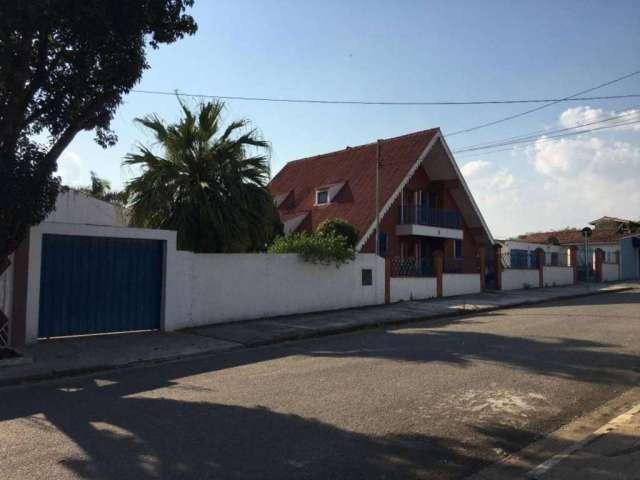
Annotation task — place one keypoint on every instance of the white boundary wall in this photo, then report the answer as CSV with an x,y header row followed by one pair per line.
x,y
216,288
516,278
412,288
610,272
557,276
460,283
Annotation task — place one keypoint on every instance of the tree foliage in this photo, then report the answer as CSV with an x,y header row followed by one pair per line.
x,y
209,182
100,188
64,67
318,248
341,228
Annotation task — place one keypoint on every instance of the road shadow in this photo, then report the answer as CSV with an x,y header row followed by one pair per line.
x,y
149,438
567,358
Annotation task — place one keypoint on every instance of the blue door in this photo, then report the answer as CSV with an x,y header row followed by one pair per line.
x,y
98,284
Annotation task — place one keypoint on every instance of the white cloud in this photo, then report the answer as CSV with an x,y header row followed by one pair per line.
x,y
559,182
474,167
585,114
72,170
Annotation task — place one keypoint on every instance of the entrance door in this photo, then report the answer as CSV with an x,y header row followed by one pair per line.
x,y
99,284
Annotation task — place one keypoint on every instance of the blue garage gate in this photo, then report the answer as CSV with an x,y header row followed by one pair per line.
x,y
99,284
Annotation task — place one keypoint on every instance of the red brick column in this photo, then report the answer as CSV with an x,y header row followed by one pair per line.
x,y
540,255
497,251
438,265
574,263
481,255
387,280
599,261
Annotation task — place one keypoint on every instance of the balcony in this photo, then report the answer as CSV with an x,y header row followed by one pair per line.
x,y
429,222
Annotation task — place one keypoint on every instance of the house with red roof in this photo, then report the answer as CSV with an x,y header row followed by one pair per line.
x,y
423,201
607,236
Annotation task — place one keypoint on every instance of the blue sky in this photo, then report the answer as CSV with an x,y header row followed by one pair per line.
x,y
414,50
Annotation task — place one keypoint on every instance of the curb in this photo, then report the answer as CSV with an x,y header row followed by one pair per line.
x,y
405,321
53,375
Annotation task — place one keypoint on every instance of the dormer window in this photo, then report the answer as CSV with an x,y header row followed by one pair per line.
x,y
322,196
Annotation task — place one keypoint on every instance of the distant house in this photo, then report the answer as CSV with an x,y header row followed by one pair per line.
x,y
608,234
424,202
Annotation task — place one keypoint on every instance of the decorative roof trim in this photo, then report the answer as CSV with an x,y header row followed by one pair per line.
x,y
397,191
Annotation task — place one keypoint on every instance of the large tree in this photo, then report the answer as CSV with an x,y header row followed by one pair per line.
x,y
64,67
208,182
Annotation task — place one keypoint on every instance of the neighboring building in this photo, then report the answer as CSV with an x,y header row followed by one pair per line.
x,y
424,202
609,234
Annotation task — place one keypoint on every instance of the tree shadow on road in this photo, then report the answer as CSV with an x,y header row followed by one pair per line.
x,y
136,437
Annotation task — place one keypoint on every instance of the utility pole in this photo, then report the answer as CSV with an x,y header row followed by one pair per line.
x,y
378,153
586,233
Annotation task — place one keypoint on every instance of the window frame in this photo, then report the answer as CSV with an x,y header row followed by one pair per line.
x,y
456,253
321,191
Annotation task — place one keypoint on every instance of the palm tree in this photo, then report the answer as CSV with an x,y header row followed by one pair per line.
x,y
209,184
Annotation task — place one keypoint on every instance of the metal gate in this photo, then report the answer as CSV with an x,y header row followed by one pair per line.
x,y
99,284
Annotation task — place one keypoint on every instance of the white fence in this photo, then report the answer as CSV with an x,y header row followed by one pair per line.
x,y
216,288
610,272
515,278
460,284
557,276
412,288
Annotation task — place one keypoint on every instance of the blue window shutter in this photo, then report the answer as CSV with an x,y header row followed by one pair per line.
x,y
382,244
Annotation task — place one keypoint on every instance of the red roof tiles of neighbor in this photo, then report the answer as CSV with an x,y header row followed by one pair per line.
x,y
574,236
355,202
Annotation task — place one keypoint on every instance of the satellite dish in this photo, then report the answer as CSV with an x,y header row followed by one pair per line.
x,y
586,232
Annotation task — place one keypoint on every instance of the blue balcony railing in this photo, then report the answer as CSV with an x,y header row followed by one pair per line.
x,y
435,217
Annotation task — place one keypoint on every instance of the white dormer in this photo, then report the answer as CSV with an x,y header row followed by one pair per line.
x,y
326,194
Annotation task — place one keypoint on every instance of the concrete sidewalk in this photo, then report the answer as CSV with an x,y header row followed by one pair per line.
x,y
70,356
295,327
603,444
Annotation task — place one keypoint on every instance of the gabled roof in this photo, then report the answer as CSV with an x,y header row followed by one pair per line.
x,y
356,168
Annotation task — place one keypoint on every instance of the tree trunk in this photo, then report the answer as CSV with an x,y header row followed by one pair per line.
x,y
5,339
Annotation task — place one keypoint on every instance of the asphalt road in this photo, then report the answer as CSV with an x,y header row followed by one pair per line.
x,y
431,400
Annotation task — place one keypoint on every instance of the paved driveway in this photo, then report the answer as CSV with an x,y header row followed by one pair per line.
x,y
433,400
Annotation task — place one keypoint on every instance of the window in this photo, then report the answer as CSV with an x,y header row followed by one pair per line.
x,y
367,277
457,248
322,196
382,244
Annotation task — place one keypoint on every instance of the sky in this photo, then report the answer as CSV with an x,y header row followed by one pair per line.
x,y
412,50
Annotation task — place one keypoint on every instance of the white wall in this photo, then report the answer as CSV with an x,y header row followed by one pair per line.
x,y
514,278
556,276
229,287
412,288
610,272
460,283
76,207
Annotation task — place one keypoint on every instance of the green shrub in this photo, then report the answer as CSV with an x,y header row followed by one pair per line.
x,y
339,228
323,249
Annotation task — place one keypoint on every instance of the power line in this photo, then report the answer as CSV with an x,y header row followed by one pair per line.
x,y
553,102
508,140
546,139
390,103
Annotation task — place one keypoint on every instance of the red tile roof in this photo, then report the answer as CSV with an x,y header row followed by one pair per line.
x,y
565,237
355,166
